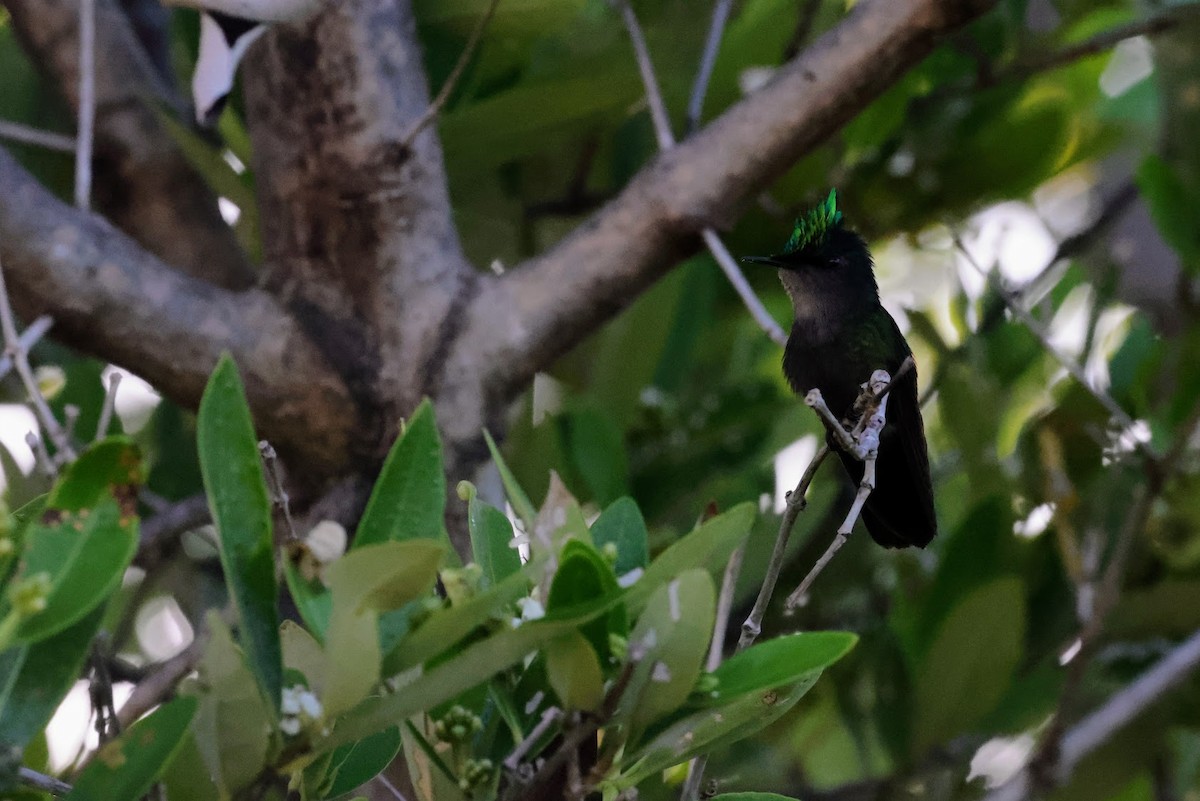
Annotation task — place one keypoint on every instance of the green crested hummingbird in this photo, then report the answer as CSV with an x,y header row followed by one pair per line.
x,y
840,336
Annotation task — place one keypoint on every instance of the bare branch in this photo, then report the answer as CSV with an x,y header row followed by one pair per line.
x,y
1095,45
666,141
29,337
16,351
1070,365
160,683
144,183
1095,730
40,781
708,60
539,310
108,293
734,273
360,242
87,104
795,505
866,449
170,522
110,403
279,495
443,95
16,132
654,98
804,26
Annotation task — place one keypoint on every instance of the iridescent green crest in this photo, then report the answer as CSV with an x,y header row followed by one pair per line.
x,y
811,229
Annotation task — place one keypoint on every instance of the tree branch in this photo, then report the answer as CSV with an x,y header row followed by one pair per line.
x,y
142,180
110,297
1100,43
523,320
1095,730
358,230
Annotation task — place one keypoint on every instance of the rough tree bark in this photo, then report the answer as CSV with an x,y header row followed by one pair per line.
x,y
366,302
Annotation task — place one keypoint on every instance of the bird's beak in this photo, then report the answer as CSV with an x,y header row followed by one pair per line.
x,y
770,261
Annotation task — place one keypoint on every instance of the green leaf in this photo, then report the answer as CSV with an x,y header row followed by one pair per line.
x,y
622,525
409,498
669,642
706,730
187,778
86,554
779,661
709,546
491,540
303,654
446,627
470,667
357,763
970,663
574,672
1172,206
582,577
124,769
516,495
84,536
233,723
364,582
241,512
312,599
752,797
35,677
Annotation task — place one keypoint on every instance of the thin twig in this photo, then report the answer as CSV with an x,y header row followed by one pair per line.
x,y
87,103
1047,759
708,59
729,581
160,683
443,95
70,419
281,499
391,788
28,135
29,337
1095,729
654,97
1105,40
15,350
796,502
168,523
866,443
804,26
40,781
512,762
40,454
1070,365
666,140
816,401
110,403
716,649
740,285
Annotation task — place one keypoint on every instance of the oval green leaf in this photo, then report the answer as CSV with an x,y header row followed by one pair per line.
x,y
124,769
779,661
409,498
241,512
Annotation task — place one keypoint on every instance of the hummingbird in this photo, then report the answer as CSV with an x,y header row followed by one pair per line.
x,y
840,336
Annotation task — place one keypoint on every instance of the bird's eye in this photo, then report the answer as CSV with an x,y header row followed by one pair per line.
x,y
838,261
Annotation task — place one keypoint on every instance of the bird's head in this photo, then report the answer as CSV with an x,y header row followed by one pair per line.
x,y
822,255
